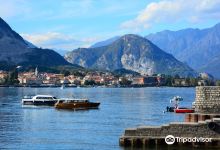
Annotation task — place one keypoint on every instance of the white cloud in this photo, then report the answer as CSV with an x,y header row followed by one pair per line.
x,y
171,11
55,40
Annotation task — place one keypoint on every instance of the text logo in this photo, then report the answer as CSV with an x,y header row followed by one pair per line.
x,y
170,139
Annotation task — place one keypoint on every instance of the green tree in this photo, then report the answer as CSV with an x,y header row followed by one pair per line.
x,y
193,81
218,83
176,76
79,74
125,81
65,72
187,80
169,80
12,77
89,82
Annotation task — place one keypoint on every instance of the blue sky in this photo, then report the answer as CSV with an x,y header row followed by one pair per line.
x,y
68,24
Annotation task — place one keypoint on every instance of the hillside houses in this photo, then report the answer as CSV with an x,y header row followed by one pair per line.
x,y
149,80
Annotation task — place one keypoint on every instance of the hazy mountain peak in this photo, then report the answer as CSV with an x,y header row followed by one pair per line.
x,y
196,47
217,25
113,39
105,42
14,50
131,36
131,52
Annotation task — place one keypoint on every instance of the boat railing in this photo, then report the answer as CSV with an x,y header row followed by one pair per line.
x,y
28,97
72,100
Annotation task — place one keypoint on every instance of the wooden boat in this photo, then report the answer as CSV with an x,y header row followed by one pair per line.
x,y
76,104
183,110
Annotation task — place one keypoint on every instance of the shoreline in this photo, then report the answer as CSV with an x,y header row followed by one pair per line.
x,y
74,86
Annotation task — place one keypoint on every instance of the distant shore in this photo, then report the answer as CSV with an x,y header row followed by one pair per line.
x,y
86,86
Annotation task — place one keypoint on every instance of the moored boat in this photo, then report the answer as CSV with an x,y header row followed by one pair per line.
x,y
175,102
38,100
184,110
175,108
76,104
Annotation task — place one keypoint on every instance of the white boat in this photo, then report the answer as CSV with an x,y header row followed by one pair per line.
x,y
39,100
175,108
62,87
175,102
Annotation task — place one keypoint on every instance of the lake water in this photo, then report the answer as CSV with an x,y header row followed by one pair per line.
x,y
48,128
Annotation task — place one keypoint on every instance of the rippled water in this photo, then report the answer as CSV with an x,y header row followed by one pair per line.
x,y
48,128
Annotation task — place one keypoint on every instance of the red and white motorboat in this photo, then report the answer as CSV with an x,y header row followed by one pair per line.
x,y
175,108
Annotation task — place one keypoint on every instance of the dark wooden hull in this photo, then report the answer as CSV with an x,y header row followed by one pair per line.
x,y
40,103
77,105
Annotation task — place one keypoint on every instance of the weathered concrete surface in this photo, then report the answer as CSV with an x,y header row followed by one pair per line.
x,y
150,135
204,123
207,99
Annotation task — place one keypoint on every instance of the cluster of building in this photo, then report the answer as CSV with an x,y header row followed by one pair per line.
x,y
204,79
35,78
156,80
96,78
99,78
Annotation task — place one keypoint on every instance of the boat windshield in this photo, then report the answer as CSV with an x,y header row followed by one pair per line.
x,y
176,101
54,97
39,97
76,101
28,97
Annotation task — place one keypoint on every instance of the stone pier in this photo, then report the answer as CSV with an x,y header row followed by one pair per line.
x,y
204,123
207,99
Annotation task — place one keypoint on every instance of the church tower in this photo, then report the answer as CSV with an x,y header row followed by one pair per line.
x,y
36,72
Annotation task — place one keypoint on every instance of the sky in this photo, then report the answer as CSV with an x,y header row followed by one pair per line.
x,y
69,24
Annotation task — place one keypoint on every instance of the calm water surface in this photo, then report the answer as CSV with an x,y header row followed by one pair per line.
x,y
48,128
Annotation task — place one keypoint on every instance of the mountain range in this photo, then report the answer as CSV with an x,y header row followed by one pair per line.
x,y
14,50
200,49
131,52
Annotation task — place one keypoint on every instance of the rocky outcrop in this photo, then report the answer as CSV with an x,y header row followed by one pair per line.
x,y
130,52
